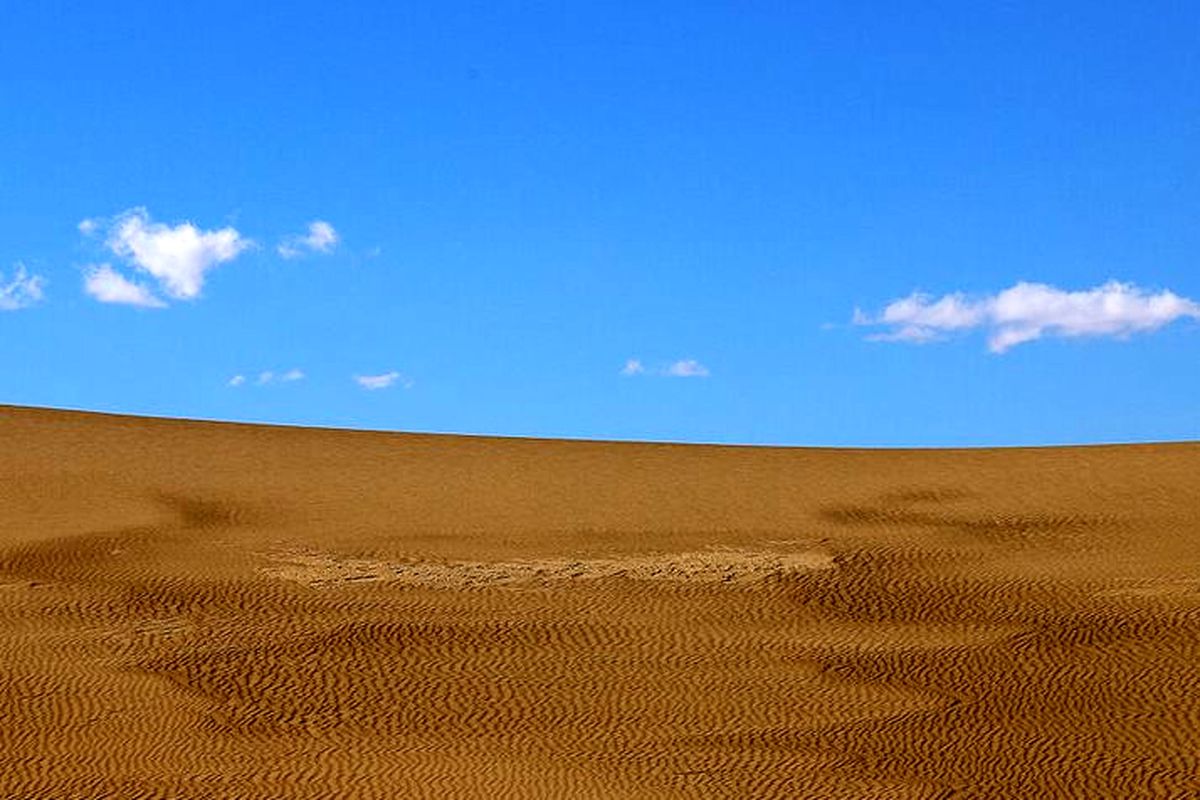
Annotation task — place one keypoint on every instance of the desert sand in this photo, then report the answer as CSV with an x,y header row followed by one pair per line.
x,y
211,610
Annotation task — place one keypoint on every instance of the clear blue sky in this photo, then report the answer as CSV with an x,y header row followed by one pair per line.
x,y
527,196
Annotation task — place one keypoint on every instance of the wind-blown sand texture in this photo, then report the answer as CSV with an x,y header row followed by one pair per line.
x,y
203,610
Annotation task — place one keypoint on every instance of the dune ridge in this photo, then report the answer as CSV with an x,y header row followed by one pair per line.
x,y
209,610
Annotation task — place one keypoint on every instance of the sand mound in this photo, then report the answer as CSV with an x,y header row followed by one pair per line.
x,y
209,611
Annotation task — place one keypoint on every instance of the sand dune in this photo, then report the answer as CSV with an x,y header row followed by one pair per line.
x,y
204,610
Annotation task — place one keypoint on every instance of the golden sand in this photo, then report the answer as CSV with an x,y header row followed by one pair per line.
x,y
204,610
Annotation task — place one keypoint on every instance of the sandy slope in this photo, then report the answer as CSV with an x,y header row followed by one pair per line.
x,y
206,610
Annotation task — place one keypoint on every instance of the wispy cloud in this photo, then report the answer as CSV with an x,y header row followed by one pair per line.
x,y
1028,311
683,368
22,290
178,257
107,285
382,381
321,238
267,377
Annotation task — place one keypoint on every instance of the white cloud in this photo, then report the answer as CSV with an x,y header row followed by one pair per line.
x,y
22,291
687,368
321,238
1029,311
632,367
383,381
107,285
269,376
683,368
178,257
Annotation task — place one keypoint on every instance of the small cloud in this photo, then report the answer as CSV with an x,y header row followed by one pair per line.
x,y
382,381
321,238
683,368
89,226
107,285
269,376
686,368
1028,311
22,291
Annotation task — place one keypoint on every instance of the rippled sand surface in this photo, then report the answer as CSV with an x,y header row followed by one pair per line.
x,y
201,610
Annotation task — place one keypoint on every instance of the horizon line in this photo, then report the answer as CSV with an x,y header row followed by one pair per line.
x,y
4,406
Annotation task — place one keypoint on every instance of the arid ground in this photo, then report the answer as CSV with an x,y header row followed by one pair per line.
x,y
205,610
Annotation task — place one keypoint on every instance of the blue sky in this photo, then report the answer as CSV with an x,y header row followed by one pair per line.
x,y
609,220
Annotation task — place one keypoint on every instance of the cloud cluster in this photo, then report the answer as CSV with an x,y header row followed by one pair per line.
x,y
369,382
683,368
382,381
22,291
1028,311
321,238
177,257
